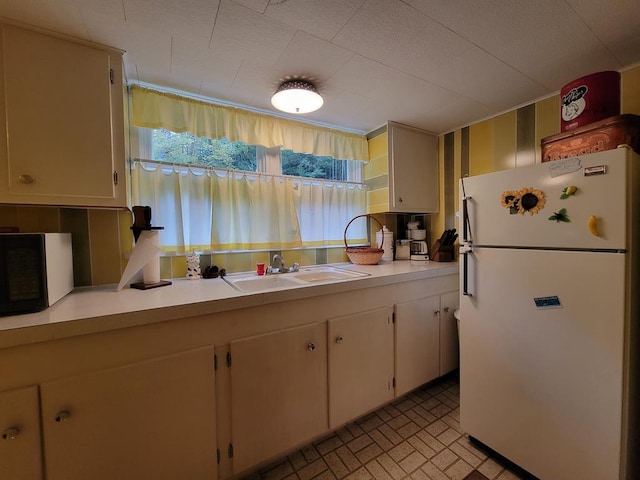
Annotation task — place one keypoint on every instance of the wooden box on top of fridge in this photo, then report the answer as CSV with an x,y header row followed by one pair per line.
x,y
603,135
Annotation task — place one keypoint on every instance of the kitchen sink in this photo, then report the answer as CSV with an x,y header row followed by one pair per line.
x,y
326,274
252,283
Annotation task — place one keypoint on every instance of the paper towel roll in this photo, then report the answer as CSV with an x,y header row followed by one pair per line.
x,y
146,251
151,270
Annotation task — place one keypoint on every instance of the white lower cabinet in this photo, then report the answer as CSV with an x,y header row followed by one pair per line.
x,y
449,345
278,392
360,363
153,419
281,389
93,408
20,439
417,343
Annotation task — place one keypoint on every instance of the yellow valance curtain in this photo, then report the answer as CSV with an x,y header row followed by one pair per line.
x,y
155,109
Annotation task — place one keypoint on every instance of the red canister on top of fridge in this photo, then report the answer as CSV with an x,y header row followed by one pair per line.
x,y
589,99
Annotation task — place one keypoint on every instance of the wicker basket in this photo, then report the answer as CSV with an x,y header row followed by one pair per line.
x,y
363,255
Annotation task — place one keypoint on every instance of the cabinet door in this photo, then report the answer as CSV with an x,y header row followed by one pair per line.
x,y
64,122
413,170
360,364
278,392
20,454
154,419
449,350
417,343
223,412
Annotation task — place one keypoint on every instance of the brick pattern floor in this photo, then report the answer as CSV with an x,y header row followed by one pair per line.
x,y
417,437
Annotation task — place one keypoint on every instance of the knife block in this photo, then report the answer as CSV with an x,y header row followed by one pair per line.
x,y
442,253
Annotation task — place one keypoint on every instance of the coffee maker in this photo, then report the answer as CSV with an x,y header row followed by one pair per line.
x,y
418,250
417,241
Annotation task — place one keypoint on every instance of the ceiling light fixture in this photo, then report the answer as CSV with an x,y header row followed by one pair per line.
x,y
297,96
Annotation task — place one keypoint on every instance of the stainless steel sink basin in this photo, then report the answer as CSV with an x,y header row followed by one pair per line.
x,y
252,283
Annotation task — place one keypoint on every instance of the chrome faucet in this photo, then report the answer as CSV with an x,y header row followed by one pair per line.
x,y
277,262
278,266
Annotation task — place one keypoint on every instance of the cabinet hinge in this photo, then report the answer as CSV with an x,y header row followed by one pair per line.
x,y
111,78
229,359
218,455
215,362
230,450
115,177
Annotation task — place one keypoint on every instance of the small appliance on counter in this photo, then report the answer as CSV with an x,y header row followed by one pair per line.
x,y
418,251
403,249
414,247
36,271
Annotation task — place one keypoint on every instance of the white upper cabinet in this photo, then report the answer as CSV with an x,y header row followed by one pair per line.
x,y
62,121
413,170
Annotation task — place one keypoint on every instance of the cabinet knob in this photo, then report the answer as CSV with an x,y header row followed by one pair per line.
x,y
26,179
63,416
10,433
339,339
446,309
311,346
437,312
400,199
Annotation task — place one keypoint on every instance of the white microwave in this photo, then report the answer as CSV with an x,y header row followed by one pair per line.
x,y
36,270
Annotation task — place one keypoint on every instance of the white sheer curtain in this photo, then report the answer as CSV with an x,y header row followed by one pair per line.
x,y
209,210
324,209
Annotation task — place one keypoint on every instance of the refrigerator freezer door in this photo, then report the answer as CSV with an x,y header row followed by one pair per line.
x,y
603,195
541,359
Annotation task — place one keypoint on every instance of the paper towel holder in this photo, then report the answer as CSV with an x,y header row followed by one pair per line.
x,y
142,222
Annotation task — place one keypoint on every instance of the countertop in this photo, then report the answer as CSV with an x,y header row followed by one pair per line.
x,y
89,310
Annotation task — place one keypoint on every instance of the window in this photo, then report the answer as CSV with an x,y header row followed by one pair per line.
x,y
217,195
185,148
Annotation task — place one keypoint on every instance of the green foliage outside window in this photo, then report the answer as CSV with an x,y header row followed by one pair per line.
x,y
308,165
185,148
188,149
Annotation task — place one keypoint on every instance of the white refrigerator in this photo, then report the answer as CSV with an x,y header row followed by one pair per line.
x,y
549,315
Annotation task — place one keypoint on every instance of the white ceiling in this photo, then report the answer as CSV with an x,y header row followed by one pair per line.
x,y
434,64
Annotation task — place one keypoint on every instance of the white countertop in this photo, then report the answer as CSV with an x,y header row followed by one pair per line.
x,y
97,309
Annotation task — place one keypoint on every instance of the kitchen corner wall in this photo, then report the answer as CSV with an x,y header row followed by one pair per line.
x,y
509,140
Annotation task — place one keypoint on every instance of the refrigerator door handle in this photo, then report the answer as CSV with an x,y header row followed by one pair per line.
x,y
465,220
465,247
465,250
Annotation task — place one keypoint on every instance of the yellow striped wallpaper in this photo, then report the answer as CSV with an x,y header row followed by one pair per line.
x,y
491,144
